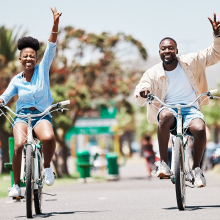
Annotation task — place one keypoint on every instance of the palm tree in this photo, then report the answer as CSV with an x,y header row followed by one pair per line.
x,y
8,44
8,48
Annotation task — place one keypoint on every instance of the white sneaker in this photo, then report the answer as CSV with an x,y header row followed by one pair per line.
x,y
200,180
15,191
48,176
163,170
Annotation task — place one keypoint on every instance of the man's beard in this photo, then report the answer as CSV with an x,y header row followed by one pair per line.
x,y
167,62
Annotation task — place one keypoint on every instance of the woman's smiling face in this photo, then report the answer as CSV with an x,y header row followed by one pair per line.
x,y
28,58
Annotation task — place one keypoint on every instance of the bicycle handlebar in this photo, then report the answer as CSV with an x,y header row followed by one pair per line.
x,y
151,97
67,102
213,91
59,104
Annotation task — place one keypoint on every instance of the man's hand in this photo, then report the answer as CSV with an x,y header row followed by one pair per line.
x,y
144,92
215,25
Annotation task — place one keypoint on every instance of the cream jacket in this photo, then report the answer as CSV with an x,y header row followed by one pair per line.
x,y
193,64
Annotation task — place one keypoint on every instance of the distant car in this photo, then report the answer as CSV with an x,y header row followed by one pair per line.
x,y
215,158
212,156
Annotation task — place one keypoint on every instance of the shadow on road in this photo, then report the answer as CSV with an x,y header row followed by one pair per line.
x,y
193,208
47,215
135,178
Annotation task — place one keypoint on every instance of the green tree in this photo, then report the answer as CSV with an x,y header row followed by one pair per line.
x,y
8,68
212,115
143,127
87,69
94,74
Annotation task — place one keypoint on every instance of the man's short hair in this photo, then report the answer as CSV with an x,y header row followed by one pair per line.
x,y
169,38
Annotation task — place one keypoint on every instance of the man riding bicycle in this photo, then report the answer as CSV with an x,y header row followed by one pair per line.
x,y
179,80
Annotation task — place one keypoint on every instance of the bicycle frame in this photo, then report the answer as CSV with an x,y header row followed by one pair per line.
x,y
184,148
35,155
186,166
30,141
180,168
32,162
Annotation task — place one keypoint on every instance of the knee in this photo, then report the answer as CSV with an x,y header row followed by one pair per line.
x,y
18,148
199,131
165,117
48,138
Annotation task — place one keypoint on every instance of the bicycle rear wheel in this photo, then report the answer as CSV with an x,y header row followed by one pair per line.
x,y
179,174
38,192
29,184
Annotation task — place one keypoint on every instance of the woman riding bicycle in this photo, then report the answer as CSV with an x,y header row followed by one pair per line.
x,y
33,89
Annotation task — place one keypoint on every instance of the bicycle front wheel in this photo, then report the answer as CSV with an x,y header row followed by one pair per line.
x,y
179,174
29,184
38,192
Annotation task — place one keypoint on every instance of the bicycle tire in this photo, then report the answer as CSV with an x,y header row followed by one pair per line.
x,y
179,174
38,201
29,184
38,193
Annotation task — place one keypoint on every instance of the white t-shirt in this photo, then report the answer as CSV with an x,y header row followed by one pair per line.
x,y
179,90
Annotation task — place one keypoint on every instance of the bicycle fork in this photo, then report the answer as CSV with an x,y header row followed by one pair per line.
x,y
184,148
35,168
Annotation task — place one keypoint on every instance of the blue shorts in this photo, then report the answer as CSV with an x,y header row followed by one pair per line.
x,y
34,121
188,115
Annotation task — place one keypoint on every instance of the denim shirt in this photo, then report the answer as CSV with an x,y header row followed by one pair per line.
x,y
35,93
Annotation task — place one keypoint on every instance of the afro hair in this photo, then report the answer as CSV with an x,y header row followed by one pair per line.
x,y
31,42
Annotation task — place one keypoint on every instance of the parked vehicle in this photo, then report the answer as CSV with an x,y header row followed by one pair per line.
x,y
215,158
212,156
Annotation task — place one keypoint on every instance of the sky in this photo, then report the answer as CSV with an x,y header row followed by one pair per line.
x,y
148,21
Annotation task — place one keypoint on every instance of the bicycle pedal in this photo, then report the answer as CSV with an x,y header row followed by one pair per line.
x,y
19,197
165,177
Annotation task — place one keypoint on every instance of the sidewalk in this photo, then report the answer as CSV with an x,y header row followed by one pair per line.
x,y
134,168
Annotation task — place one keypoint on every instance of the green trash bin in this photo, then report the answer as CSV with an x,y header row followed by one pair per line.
x,y
113,171
83,163
9,165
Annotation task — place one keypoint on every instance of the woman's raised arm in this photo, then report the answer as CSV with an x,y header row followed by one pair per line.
x,y
54,32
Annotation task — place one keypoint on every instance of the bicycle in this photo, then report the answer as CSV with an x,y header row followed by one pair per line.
x,y
180,167
32,162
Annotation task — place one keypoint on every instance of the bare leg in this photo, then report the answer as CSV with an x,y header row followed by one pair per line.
x,y
45,134
198,130
167,121
19,141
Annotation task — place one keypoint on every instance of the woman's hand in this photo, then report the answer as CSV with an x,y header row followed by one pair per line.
x,y
56,15
215,25
1,101
54,32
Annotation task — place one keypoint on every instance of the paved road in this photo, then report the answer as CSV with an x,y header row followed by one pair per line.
x,y
134,197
